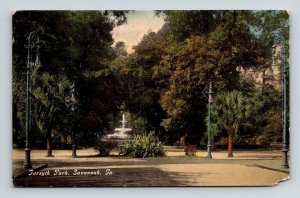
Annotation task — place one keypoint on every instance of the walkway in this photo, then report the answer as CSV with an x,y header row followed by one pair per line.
x,y
175,170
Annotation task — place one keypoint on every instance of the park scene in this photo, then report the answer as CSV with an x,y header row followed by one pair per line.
x,y
150,98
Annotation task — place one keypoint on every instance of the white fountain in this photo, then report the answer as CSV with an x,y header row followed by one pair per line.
x,y
120,133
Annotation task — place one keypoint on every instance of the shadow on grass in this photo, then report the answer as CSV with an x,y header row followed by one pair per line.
x,y
120,177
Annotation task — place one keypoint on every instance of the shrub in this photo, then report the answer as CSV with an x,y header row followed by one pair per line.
x,y
105,147
245,142
190,150
143,146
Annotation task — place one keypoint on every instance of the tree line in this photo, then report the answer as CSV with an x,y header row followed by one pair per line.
x,y
162,85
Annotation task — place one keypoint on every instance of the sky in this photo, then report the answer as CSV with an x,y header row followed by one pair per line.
x,y
138,24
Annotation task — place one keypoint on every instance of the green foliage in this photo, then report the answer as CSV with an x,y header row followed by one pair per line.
x,y
138,89
246,142
182,24
137,123
49,107
207,52
162,84
267,114
67,56
142,146
270,24
230,109
263,124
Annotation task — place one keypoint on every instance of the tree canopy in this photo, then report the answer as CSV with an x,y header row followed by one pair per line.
x,y
77,48
162,84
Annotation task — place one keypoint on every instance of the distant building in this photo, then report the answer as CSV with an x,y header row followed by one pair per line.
x,y
270,74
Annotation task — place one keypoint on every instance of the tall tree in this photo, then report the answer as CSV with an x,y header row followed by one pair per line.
x,y
212,54
67,56
229,110
139,91
50,108
184,24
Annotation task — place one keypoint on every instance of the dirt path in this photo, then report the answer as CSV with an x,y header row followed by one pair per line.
x,y
168,171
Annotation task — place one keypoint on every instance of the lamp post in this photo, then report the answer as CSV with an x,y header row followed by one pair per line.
x,y
73,101
284,140
33,43
284,100
210,92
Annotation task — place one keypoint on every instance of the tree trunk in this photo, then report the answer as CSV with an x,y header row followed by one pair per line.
x,y
230,142
74,147
49,145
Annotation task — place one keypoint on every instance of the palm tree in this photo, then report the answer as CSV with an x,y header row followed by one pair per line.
x,y
48,95
229,110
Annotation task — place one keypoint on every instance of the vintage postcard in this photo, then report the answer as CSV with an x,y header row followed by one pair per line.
x,y
150,98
